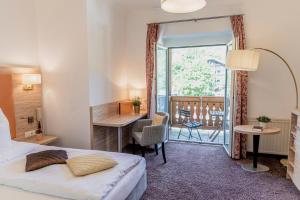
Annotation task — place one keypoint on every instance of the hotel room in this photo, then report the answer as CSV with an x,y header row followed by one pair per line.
x,y
149,99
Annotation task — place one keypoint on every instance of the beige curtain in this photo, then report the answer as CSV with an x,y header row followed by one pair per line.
x,y
241,93
152,38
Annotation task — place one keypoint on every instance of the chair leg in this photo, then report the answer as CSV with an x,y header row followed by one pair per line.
x,y
156,149
191,133
133,143
199,135
163,151
143,151
179,133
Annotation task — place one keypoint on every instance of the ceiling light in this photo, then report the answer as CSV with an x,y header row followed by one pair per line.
x,y
182,6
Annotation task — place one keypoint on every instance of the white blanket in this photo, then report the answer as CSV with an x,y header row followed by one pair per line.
x,y
57,180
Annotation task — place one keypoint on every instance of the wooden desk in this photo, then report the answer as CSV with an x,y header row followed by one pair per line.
x,y
46,139
119,121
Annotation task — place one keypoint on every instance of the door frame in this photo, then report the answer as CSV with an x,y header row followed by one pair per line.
x,y
168,87
167,82
229,149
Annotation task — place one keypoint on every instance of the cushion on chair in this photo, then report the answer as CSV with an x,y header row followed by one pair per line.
x,y
85,165
42,159
157,120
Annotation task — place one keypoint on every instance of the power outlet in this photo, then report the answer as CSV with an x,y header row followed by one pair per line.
x,y
30,133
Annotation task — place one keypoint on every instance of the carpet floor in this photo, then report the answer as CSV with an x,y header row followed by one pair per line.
x,y
205,172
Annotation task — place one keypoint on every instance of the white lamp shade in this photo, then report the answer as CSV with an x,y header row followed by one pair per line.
x,y
243,60
182,6
31,79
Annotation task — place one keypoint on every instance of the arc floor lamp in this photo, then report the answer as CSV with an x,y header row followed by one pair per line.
x,y
248,60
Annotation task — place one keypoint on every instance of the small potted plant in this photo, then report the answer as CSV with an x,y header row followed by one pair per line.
x,y
136,102
263,121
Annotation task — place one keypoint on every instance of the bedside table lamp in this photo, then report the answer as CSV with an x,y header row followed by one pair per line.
x,y
248,60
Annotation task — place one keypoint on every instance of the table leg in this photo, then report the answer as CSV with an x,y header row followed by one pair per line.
x,y
255,149
254,166
119,139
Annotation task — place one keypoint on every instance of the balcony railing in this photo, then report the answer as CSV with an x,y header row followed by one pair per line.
x,y
202,110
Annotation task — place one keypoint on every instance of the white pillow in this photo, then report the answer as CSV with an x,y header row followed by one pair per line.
x,y
5,138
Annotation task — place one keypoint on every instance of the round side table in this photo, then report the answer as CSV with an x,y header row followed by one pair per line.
x,y
248,129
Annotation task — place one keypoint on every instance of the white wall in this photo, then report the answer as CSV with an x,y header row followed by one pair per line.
x,y
267,25
273,26
18,41
106,42
63,56
81,50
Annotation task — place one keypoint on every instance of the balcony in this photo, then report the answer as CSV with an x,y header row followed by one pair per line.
x,y
206,110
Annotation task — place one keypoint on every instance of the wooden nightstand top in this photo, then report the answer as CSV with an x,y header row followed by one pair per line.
x,y
46,139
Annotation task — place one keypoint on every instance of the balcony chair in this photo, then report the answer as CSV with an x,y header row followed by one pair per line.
x,y
186,122
148,132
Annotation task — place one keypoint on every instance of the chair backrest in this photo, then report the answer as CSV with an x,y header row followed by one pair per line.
x,y
165,124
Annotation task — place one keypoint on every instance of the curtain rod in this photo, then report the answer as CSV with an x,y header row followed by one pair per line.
x,y
196,19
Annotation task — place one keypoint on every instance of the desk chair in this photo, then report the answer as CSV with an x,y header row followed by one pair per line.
x,y
146,134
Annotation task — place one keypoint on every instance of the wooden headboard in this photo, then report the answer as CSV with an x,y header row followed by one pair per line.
x,y
16,103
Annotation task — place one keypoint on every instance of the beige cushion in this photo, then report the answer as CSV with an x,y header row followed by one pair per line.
x,y
85,165
157,120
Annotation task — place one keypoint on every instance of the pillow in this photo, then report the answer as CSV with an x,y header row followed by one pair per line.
x,y
85,165
157,120
5,138
42,159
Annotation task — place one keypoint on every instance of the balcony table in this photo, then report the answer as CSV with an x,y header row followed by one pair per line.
x,y
215,134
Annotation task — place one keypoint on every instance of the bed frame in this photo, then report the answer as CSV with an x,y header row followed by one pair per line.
x,y
139,189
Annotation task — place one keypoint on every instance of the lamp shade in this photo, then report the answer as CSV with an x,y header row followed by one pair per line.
x,y
243,60
31,79
182,6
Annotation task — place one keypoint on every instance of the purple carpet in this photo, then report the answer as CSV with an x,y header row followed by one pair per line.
x,y
206,172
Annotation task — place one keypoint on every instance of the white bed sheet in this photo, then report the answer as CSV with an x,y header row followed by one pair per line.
x,y
119,192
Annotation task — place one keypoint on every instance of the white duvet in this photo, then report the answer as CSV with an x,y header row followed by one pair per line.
x,y
57,180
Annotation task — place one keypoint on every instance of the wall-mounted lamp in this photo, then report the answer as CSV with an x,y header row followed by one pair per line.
x,y
28,80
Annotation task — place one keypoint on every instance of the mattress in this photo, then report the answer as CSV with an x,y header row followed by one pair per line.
x,y
120,191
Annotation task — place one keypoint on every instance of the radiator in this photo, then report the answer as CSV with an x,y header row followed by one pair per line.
x,y
273,144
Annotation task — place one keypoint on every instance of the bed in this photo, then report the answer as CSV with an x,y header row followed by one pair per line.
x,y
127,180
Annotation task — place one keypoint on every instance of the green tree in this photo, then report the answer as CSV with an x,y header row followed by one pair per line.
x,y
191,74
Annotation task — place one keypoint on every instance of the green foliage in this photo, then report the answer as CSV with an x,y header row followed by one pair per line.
x,y
191,74
136,102
264,119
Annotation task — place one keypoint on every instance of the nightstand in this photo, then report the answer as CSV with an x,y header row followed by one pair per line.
x,y
46,139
